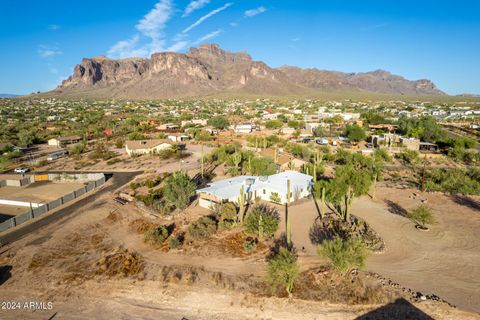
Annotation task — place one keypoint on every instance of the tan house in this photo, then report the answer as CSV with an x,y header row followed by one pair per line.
x,y
138,147
61,142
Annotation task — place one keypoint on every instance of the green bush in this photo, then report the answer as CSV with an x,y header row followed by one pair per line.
x,y
156,235
344,255
275,197
174,243
282,270
203,228
227,213
262,221
410,157
421,215
453,180
250,244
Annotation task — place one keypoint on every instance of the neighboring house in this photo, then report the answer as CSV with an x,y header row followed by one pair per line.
x,y
168,127
64,141
268,188
244,128
211,130
287,130
410,143
178,138
138,147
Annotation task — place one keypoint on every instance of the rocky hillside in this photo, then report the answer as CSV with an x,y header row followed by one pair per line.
x,y
209,70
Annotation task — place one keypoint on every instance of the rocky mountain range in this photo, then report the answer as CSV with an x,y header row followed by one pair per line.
x,y
210,70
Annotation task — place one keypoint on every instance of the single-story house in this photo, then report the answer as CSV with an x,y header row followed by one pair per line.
x,y
178,137
138,147
268,188
64,141
244,128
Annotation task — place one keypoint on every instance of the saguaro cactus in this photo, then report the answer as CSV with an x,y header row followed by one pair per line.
x,y
241,203
322,208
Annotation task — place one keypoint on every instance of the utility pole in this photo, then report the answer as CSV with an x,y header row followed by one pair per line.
x,y
287,216
423,173
202,162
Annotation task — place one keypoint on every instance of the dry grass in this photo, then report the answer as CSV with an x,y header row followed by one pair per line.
x,y
327,285
121,263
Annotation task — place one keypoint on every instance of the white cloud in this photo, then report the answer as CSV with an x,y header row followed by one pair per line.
x,y
128,48
254,12
233,24
295,39
151,26
179,45
48,51
205,17
209,36
193,6
54,27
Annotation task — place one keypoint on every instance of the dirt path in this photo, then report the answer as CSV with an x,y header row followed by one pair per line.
x,y
444,261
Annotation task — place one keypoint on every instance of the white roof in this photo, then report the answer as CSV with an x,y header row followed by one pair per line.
x,y
229,188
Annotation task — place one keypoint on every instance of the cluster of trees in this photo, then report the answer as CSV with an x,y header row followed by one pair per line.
x,y
175,193
463,181
239,161
423,128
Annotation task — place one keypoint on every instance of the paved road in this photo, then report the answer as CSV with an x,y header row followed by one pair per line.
x,y
118,180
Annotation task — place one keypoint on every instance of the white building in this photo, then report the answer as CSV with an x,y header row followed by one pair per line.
x,y
269,188
244,128
138,147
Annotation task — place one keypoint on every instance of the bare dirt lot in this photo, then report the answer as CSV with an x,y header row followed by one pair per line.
x,y
444,260
39,192
93,265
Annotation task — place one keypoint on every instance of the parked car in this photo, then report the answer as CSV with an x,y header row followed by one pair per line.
x,y
21,170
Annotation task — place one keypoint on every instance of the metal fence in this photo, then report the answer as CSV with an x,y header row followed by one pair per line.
x,y
35,212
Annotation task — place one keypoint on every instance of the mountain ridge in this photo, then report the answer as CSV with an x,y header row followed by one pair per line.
x,y
209,70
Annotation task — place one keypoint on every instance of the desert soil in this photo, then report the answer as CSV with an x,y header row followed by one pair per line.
x,y
60,263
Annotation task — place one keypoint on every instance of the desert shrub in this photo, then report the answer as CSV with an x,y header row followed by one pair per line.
x,y
410,157
421,215
156,235
344,254
275,197
119,143
250,244
262,221
174,243
282,270
227,213
453,180
203,228
113,161
382,154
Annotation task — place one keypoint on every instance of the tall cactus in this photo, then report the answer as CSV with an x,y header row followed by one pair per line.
x,y
241,202
260,226
287,216
322,208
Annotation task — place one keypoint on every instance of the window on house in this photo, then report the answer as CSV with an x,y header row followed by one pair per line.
x,y
264,192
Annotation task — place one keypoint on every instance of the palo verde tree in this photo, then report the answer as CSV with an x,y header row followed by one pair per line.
x,y
178,190
354,176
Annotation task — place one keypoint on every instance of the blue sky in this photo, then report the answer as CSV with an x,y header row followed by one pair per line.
x,y
41,41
